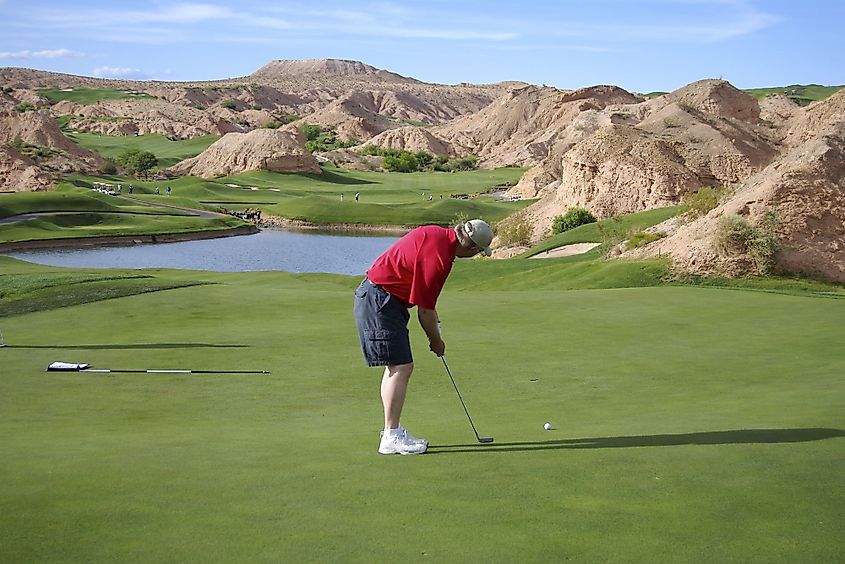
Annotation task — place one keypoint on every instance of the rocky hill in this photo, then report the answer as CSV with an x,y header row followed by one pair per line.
x,y
262,149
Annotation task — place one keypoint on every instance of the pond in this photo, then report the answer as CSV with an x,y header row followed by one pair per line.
x,y
270,249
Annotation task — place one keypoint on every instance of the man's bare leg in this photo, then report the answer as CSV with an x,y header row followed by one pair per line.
x,y
394,385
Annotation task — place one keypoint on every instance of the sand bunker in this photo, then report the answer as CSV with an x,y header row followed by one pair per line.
x,y
567,250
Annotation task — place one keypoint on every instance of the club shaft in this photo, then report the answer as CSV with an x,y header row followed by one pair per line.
x,y
452,378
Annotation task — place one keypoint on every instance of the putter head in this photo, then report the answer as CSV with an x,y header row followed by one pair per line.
x,y
485,439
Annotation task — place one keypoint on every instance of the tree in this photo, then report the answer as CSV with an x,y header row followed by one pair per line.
x,y
136,161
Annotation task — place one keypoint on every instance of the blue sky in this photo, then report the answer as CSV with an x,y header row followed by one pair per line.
x,y
640,45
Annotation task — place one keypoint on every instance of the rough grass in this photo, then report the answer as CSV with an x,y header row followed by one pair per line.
x,y
681,415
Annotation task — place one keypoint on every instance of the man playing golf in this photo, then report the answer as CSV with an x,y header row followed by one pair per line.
x,y
410,273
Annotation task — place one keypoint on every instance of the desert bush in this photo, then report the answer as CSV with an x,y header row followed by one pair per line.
x,y
514,231
108,167
736,237
230,104
686,106
459,219
641,238
613,232
697,203
18,144
272,124
25,107
572,219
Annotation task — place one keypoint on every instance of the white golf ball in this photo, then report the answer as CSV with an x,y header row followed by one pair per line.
x,y
547,426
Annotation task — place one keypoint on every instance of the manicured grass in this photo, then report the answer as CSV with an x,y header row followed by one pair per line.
x,y
168,151
690,424
89,95
803,94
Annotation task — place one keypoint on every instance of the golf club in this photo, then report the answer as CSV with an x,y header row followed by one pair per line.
x,y
75,367
474,430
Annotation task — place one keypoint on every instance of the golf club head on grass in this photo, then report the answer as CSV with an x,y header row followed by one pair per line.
x,y
485,439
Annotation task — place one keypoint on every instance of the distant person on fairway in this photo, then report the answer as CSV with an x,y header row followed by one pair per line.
x,y
410,273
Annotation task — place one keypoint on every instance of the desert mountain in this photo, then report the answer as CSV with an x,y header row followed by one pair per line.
x,y
801,195
323,69
635,157
276,150
355,100
34,150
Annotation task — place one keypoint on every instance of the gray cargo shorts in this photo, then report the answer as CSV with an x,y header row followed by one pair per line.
x,y
382,326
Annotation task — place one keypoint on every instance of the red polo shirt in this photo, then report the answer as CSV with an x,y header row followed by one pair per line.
x,y
415,268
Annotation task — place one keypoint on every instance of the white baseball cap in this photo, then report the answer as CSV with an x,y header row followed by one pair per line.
x,y
480,233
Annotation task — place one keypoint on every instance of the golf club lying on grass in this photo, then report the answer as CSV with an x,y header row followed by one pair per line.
x,y
76,367
480,439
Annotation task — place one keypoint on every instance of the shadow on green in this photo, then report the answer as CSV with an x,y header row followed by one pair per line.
x,y
738,436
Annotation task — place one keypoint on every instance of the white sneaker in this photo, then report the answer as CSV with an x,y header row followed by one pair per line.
x,y
401,443
411,438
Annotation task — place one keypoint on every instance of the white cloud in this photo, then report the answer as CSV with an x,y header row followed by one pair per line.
x,y
42,54
15,54
56,53
119,72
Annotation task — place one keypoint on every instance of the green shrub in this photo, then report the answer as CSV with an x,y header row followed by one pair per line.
x,y
404,162
572,219
25,107
136,161
272,124
230,104
736,237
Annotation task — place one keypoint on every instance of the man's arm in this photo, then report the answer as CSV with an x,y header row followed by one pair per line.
x,y
428,321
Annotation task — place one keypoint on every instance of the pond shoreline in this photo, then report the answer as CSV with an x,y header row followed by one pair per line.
x,y
273,222
125,240
301,225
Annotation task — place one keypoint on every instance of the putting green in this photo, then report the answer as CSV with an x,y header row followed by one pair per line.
x,y
690,425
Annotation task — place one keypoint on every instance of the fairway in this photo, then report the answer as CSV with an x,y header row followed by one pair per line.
x,y
690,425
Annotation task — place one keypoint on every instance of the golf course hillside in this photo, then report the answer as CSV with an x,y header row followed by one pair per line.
x,y
678,414
598,147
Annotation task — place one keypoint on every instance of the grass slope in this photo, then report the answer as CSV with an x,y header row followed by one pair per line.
x,y
690,424
90,95
386,199
168,151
